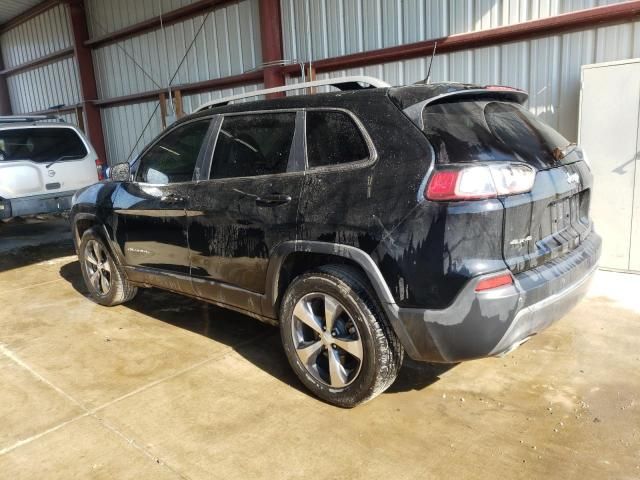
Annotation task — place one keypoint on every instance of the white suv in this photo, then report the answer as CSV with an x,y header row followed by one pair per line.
x,y
42,164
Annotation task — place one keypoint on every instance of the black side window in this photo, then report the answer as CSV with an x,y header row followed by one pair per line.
x,y
253,144
41,144
332,139
173,158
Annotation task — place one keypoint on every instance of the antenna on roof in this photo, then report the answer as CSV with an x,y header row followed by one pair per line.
x,y
433,54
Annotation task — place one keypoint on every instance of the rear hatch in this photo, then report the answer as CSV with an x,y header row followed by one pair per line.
x,y
43,159
550,220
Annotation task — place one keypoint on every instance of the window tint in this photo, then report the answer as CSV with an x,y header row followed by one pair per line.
x,y
516,126
468,131
41,144
255,144
174,157
333,138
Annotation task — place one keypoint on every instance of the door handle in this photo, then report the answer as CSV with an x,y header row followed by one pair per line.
x,y
172,198
272,200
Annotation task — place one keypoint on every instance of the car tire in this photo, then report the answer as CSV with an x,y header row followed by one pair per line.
x,y
331,363
103,276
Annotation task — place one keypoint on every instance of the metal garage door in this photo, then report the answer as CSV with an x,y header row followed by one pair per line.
x,y
609,122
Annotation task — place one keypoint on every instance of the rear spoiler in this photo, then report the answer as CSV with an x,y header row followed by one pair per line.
x,y
496,92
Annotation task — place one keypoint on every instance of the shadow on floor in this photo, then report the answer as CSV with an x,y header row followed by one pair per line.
x,y
24,242
255,341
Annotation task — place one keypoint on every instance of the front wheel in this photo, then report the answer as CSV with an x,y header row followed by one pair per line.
x,y
336,338
103,277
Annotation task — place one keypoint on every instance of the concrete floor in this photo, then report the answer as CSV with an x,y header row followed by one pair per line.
x,y
167,387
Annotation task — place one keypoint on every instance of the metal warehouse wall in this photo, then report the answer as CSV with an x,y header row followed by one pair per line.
x,y
548,68
228,44
42,87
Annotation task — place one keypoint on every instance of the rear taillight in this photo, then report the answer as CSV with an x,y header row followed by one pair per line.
x,y
100,169
475,182
494,282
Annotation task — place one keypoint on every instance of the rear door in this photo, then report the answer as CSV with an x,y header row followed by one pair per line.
x,y
151,215
553,218
248,205
42,159
336,205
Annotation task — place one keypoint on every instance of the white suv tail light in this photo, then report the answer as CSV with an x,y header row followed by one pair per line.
x,y
479,181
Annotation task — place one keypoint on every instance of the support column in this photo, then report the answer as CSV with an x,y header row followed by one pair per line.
x,y
5,102
88,87
271,40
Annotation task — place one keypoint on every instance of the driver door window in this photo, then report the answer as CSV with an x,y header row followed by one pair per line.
x,y
174,157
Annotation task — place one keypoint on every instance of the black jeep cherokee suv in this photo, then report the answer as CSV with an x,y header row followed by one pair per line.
x,y
443,220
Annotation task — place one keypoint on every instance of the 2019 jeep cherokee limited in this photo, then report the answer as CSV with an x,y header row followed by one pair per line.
x,y
443,220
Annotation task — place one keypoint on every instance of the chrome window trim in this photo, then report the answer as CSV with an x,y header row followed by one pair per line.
x,y
248,177
373,153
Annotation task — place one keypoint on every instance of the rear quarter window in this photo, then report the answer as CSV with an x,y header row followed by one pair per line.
x,y
333,139
41,144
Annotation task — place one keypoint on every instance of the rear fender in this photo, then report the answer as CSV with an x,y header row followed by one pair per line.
x,y
353,254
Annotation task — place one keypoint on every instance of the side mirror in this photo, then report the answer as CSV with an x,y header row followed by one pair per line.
x,y
121,172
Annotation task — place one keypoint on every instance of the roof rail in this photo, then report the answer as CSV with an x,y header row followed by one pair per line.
x,y
27,118
342,83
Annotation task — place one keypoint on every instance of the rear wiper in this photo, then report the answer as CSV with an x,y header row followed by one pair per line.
x,y
560,153
65,157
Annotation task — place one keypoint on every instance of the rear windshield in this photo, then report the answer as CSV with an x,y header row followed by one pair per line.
x,y
41,144
486,131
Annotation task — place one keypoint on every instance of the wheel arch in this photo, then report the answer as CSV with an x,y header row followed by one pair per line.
x,y
85,221
81,223
290,259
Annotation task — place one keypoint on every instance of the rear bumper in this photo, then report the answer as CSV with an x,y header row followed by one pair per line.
x,y
481,324
34,205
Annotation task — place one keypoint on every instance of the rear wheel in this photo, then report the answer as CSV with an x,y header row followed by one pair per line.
x,y
336,338
103,277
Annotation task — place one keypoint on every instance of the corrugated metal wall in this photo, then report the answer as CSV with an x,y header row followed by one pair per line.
x,y
42,87
40,36
124,126
315,29
549,68
228,44
124,143
106,16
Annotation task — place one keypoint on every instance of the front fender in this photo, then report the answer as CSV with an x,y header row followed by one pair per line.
x,y
94,205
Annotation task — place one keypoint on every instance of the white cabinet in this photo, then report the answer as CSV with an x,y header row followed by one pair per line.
x,y
609,130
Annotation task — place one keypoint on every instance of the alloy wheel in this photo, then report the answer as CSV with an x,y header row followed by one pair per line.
x,y
98,268
327,340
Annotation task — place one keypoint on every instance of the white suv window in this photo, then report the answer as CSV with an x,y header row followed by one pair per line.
x,y
41,144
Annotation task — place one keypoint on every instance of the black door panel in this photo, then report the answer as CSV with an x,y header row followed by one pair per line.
x,y
155,229
249,205
151,212
231,233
